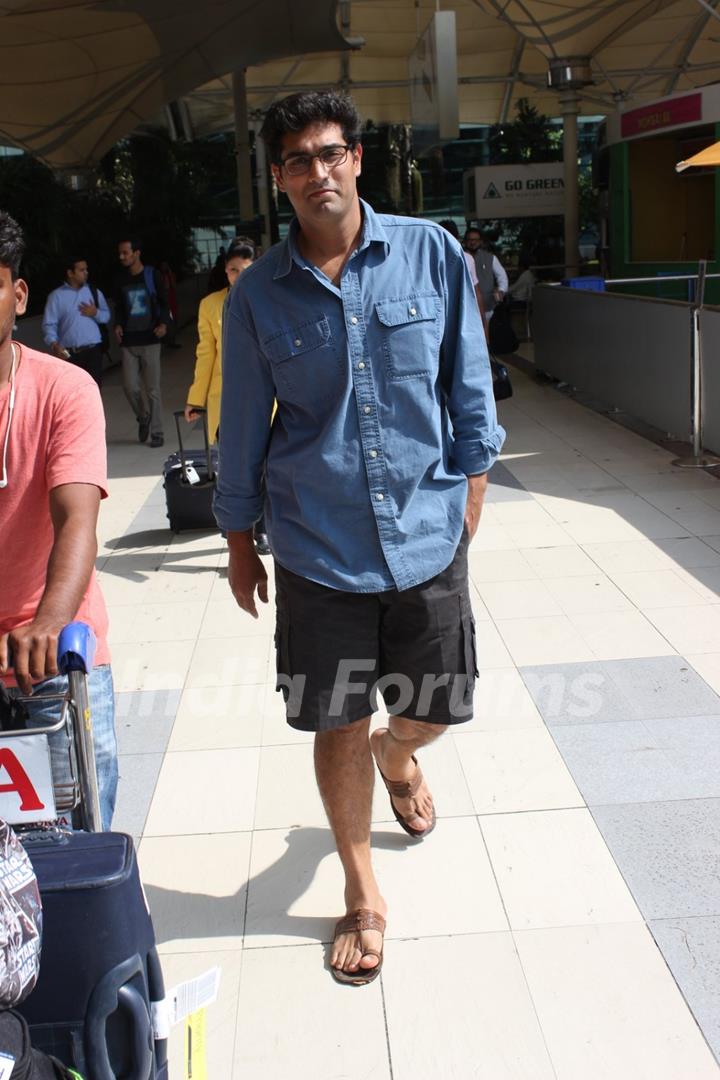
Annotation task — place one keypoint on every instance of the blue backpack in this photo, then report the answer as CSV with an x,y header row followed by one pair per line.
x,y
149,275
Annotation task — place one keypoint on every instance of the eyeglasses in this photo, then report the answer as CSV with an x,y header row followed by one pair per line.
x,y
330,156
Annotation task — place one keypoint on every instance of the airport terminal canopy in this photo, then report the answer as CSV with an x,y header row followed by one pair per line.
x,y
77,76
631,52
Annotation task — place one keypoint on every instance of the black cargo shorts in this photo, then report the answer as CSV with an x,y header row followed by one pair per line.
x,y
337,652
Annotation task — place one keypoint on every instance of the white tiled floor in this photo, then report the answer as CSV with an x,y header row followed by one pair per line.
x,y
514,947
608,1007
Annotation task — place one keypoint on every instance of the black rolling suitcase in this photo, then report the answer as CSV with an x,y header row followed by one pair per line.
x,y
99,999
189,481
100,983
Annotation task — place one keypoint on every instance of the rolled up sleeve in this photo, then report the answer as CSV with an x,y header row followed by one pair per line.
x,y
466,375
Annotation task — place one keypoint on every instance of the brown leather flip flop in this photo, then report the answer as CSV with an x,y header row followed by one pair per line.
x,y
355,922
407,789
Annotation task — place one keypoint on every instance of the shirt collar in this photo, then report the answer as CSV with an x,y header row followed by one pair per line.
x,y
372,232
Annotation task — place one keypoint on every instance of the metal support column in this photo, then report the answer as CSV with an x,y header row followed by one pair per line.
x,y
261,175
697,460
242,147
569,109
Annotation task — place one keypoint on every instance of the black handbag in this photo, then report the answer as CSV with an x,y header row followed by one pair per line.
x,y
29,1064
502,387
503,339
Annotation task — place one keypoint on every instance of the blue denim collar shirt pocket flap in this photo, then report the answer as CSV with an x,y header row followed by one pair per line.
x,y
408,309
411,330
300,339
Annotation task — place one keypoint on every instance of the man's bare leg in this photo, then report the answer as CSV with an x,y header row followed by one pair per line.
x,y
393,748
345,777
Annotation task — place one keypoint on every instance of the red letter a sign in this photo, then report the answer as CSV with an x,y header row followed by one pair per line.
x,y
20,781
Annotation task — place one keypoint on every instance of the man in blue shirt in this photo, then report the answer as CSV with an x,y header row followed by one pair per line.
x,y
72,319
366,331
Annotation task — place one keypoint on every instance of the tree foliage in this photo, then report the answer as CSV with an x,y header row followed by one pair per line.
x,y
157,185
146,185
531,137
57,222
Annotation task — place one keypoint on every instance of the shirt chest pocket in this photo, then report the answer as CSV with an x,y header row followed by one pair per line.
x,y
306,363
411,329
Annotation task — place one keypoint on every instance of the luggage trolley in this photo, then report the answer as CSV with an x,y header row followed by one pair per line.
x,y
99,1000
77,794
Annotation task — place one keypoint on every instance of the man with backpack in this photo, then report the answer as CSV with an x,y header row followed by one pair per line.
x,y
74,318
142,317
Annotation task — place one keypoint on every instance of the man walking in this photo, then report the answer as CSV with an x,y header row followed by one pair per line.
x,y
141,321
492,279
73,315
52,478
366,330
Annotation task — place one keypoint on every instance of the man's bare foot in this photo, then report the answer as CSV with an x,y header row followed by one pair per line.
x,y
349,950
395,765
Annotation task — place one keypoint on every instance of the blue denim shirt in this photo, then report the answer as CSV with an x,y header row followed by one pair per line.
x,y
384,406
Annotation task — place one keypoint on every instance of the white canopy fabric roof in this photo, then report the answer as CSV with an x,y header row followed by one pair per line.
x,y
639,50
76,76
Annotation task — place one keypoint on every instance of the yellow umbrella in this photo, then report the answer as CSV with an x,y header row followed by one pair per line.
x,y
709,156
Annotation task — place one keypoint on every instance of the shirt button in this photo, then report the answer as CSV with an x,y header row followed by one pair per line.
x,y
354,320
413,311
298,341
379,496
373,453
367,409
361,365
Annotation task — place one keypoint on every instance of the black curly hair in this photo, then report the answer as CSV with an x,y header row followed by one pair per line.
x,y
12,244
298,111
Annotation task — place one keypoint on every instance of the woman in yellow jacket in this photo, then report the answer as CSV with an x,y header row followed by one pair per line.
x,y
207,381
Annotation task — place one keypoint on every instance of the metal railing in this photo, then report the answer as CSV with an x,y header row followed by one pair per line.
x,y
659,280
696,460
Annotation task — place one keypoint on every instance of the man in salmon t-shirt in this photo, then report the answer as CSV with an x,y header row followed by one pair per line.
x,y
52,478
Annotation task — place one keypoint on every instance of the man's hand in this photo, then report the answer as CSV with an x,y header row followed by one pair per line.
x,y
119,334
34,653
246,572
88,309
477,486
160,330
74,511
192,412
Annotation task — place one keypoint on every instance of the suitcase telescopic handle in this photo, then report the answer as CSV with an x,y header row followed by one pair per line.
x,y
141,1042
117,993
203,412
